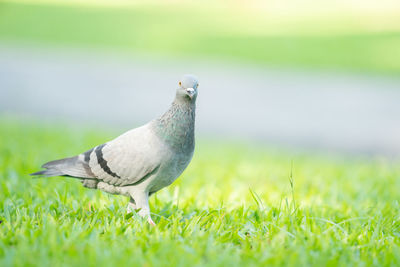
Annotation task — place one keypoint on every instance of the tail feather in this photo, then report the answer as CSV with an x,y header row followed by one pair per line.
x,y
60,162
47,173
73,167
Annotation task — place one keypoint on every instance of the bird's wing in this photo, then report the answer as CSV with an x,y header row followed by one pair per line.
x,y
127,160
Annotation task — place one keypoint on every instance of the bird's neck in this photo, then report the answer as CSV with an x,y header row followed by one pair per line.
x,y
176,126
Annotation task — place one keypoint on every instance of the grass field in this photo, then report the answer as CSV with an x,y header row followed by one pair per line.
x,y
234,206
237,204
335,40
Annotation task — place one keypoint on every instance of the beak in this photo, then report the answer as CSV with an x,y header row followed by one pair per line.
x,y
190,92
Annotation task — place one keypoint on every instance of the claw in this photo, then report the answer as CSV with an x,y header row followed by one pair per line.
x,y
128,210
150,221
131,208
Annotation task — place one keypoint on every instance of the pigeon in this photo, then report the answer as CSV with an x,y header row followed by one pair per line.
x,y
141,161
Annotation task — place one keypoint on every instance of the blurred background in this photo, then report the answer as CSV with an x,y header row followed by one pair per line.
x,y
295,74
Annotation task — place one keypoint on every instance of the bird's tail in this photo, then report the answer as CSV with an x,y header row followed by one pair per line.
x,y
47,173
59,167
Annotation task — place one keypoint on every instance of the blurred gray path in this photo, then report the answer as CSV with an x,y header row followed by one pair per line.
x,y
313,110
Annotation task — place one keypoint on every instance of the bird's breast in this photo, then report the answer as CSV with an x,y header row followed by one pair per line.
x,y
169,171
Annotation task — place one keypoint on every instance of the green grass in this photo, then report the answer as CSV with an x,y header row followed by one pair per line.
x,y
359,43
233,206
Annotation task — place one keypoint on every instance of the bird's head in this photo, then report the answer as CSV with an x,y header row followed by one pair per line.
x,y
187,89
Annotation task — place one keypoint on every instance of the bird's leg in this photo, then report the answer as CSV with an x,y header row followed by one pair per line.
x,y
131,206
142,203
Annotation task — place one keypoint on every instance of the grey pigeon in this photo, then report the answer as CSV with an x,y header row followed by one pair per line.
x,y
141,161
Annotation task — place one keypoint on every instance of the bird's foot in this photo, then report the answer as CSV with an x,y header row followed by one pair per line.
x,y
130,208
150,221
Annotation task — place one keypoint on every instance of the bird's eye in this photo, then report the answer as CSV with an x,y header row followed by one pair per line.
x,y
198,85
180,84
